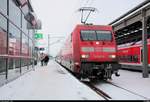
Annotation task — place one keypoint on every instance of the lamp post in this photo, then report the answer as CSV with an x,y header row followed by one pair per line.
x,y
144,45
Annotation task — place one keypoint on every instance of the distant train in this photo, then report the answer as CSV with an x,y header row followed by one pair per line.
x,y
90,52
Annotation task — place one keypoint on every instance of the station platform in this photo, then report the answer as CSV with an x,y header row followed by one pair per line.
x,y
50,82
133,81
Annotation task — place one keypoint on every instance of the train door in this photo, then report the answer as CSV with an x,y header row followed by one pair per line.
x,y
141,55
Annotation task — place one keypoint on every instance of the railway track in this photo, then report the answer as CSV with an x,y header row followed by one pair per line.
x,y
121,92
98,91
107,95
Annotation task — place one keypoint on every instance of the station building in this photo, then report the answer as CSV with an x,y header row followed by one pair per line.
x,y
18,24
132,32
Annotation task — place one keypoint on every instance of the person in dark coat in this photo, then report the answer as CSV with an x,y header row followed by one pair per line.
x,y
46,59
42,59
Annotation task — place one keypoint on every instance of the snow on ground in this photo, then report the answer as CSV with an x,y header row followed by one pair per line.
x,y
116,93
133,81
47,83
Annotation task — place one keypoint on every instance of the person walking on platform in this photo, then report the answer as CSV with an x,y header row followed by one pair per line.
x,y
46,60
42,59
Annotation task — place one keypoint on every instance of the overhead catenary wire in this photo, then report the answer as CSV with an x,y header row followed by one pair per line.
x,y
86,10
86,4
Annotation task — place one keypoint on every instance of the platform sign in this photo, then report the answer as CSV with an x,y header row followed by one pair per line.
x,y
38,36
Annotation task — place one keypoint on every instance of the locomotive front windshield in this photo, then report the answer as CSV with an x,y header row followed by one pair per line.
x,y
91,35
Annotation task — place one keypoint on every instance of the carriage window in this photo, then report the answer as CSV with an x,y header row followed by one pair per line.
x,y
130,58
135,58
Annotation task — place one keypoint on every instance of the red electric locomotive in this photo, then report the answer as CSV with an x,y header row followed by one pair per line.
x,y
90,52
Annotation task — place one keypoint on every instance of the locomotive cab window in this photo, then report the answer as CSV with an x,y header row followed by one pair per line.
x,y
104,35
88,35
91,35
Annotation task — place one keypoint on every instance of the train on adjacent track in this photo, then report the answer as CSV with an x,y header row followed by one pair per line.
x,y
90,52
130,46
130,55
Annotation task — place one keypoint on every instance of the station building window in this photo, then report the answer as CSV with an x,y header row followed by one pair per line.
x,y
14,63
30,47
3,6
3,42
31,52
25,45
14,51
11,63
24,65
3,39
14,40
25,11
17,63
13,68
24,62
14,13
3,22
25,53
24,26
3,35
2,64
2,69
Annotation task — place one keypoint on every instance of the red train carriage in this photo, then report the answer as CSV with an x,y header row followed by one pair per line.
x,y
129,41
90,52
130,55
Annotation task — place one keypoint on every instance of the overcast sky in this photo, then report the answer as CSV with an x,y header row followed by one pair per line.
x,y
59,17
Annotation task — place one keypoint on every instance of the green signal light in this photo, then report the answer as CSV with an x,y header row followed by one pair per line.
x,y
38,36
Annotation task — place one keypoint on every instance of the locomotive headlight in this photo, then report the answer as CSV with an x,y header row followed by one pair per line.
x,y
76,63
97,43
84,56
112,56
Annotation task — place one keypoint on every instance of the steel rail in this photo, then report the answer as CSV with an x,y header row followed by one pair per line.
x,y
98,91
